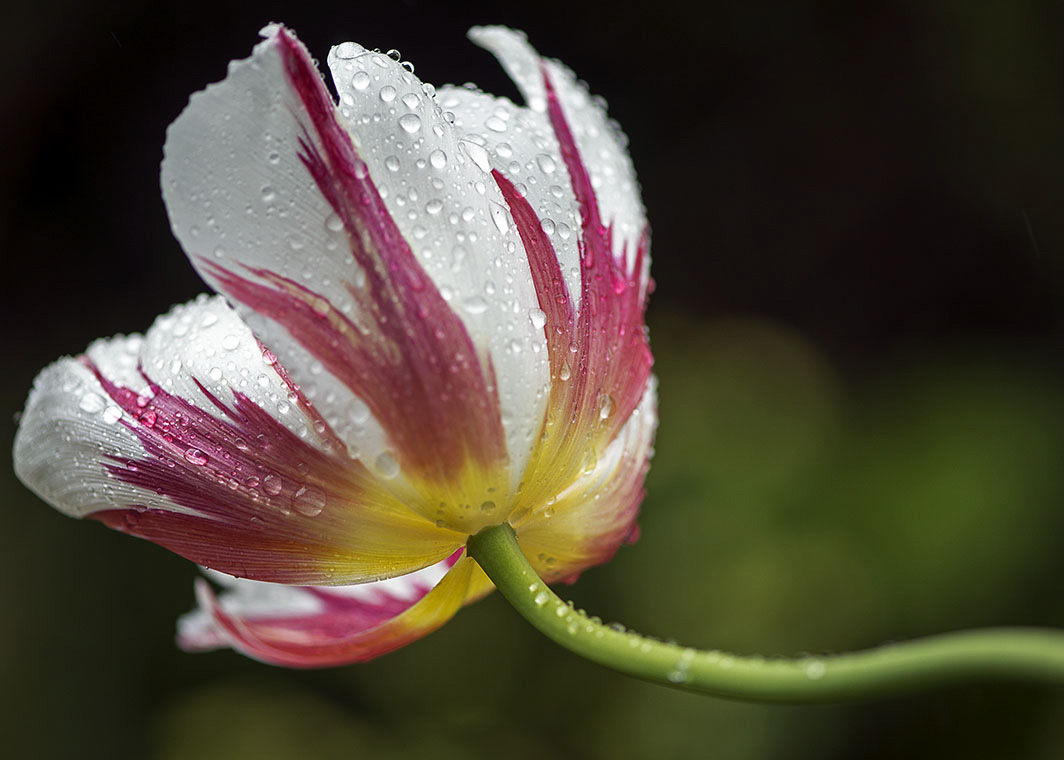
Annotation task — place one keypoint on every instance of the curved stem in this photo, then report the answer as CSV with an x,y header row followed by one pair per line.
x,y
1014,653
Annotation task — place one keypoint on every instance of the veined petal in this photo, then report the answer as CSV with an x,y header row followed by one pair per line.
x,y
306,627
601,142
403,292
194,438
592,518
522,146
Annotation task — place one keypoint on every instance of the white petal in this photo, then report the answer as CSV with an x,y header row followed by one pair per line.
x,y
71,428
436,184
239,195
523,147
603,147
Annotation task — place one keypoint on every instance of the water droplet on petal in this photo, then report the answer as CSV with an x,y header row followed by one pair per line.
x,y
438,159
478,154
272,484
475,305
605,406
410,122
91,403
387,93
348,50
196,457
387,465
309,500
360,80
538,318
333,223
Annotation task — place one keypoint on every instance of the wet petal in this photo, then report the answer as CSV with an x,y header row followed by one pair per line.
x,y
194,439
594,516
352,253
300,626
601,142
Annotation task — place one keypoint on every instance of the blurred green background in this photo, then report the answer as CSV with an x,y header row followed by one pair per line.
x,y
858,238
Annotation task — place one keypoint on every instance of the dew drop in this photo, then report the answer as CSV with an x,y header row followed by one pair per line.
x,y
605,406
309,500
196,457
333,223
91,403
475,305
230,342
410,122
478,154
487,506
391,163
438,159
541,598
360,80
495,124
538,318
387,93
272,485
498,215
546,163
387,465
815,669
348,50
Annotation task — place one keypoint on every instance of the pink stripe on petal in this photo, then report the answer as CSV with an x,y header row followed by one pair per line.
x,y
341,631
255,500
405,353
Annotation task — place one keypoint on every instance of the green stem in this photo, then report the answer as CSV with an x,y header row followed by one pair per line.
x,y
1014,653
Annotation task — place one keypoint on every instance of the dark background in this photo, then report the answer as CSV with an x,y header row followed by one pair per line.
x,y
858,236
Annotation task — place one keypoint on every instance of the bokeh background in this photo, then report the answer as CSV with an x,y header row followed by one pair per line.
x,y
858,214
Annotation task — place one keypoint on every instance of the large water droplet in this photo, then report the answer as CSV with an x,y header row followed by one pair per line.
x,y
538,318
438,159
348,50
605,406
196,457
475,305
410,122
478,154
91,403
309,500
387,465
499,216
272,484
360,80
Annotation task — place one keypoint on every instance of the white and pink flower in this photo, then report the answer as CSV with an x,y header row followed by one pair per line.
x,y
431,321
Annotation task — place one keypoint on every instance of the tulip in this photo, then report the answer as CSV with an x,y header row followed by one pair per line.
x,y
430,321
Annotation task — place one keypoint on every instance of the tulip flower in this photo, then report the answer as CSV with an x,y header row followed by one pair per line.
x,y
430,321
426,372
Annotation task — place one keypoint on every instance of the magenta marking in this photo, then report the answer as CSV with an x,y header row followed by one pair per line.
x,y
416,367
267,505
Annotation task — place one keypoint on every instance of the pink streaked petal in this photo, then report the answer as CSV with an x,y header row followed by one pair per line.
x,y
527,152
355,297
210,473
305,627
600,141
596,515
